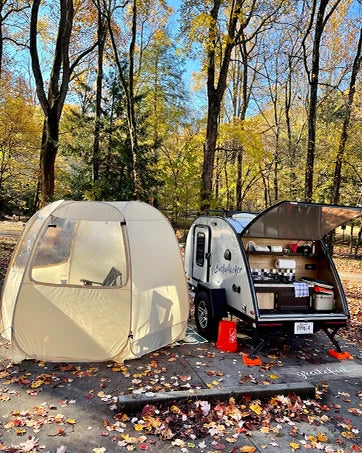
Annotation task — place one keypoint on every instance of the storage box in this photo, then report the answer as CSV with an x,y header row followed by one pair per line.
x,y
323,301
286,300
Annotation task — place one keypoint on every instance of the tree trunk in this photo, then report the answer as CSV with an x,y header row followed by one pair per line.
x,y
239,176
228,205
209,153
351,240
291,146
276,163
344,135
1,36
242,116
52,104
313,93
128,87
215,96
101,32
49,149
313,97
131,108
358,243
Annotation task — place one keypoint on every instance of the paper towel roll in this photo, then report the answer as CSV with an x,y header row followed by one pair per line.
x,y
285,264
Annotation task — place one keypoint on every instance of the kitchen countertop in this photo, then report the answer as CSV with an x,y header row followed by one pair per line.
x,y
278,285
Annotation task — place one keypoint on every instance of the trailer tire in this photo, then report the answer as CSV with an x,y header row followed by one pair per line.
x,y
207,325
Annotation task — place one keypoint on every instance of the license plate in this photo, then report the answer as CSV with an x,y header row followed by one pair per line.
x,y
301,328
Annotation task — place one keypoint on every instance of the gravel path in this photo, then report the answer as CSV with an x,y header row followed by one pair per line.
x,y
354,276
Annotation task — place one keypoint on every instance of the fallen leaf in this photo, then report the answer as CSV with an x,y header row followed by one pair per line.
x,y
247,449
256,408
348,435
322,437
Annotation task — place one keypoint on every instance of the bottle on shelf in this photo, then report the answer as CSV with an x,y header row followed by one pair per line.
x,y
313,247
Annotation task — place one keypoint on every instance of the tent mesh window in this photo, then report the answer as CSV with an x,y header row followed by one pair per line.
x,y
80,252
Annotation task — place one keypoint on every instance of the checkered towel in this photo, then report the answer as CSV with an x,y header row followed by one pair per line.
x,y
301,289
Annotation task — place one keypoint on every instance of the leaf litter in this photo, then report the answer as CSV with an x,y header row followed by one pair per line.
x,y
207,425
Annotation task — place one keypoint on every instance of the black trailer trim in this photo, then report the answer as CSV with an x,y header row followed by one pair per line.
x,y
248,272
239,314
201,225
337,279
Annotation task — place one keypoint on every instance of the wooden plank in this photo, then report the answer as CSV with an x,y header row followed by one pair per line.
x,y
265,300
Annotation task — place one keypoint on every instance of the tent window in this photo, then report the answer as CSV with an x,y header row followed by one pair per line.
x,y
87,253
200,249
26,245
55,244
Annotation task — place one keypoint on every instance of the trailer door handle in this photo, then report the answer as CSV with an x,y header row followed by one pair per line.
x,y
207,255
235,288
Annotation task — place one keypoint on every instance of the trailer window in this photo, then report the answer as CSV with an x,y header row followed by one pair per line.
x,y
200,249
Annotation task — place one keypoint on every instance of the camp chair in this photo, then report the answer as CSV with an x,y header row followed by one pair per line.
x,y
110,280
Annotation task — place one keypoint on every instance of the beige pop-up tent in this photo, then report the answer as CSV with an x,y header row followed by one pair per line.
x,y
93,281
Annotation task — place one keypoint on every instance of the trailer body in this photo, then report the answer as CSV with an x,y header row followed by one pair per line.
x,y
236,266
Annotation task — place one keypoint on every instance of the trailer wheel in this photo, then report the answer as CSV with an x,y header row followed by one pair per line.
x,y
207,325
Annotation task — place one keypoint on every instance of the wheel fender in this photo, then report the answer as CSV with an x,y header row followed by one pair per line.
x,y
217,298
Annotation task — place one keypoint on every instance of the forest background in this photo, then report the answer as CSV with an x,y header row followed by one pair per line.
x,y
188,105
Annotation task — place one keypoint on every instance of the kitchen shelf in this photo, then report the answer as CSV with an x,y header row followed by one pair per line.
x,y
310,255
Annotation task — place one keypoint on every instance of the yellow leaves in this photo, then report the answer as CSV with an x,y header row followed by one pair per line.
x,y
247,449
200,28
273,376
294,446
245,134
20,431
212,384
348,435
255,407
36,384
322,437
138,427
70,421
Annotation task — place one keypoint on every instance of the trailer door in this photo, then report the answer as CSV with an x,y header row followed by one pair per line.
x,y
201,253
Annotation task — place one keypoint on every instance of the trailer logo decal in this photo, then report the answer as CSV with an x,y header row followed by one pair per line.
x,y
228,269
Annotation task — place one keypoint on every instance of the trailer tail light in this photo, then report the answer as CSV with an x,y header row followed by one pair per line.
x,y
335,323
271,324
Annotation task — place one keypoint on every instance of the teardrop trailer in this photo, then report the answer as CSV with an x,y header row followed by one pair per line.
x,y
271,270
